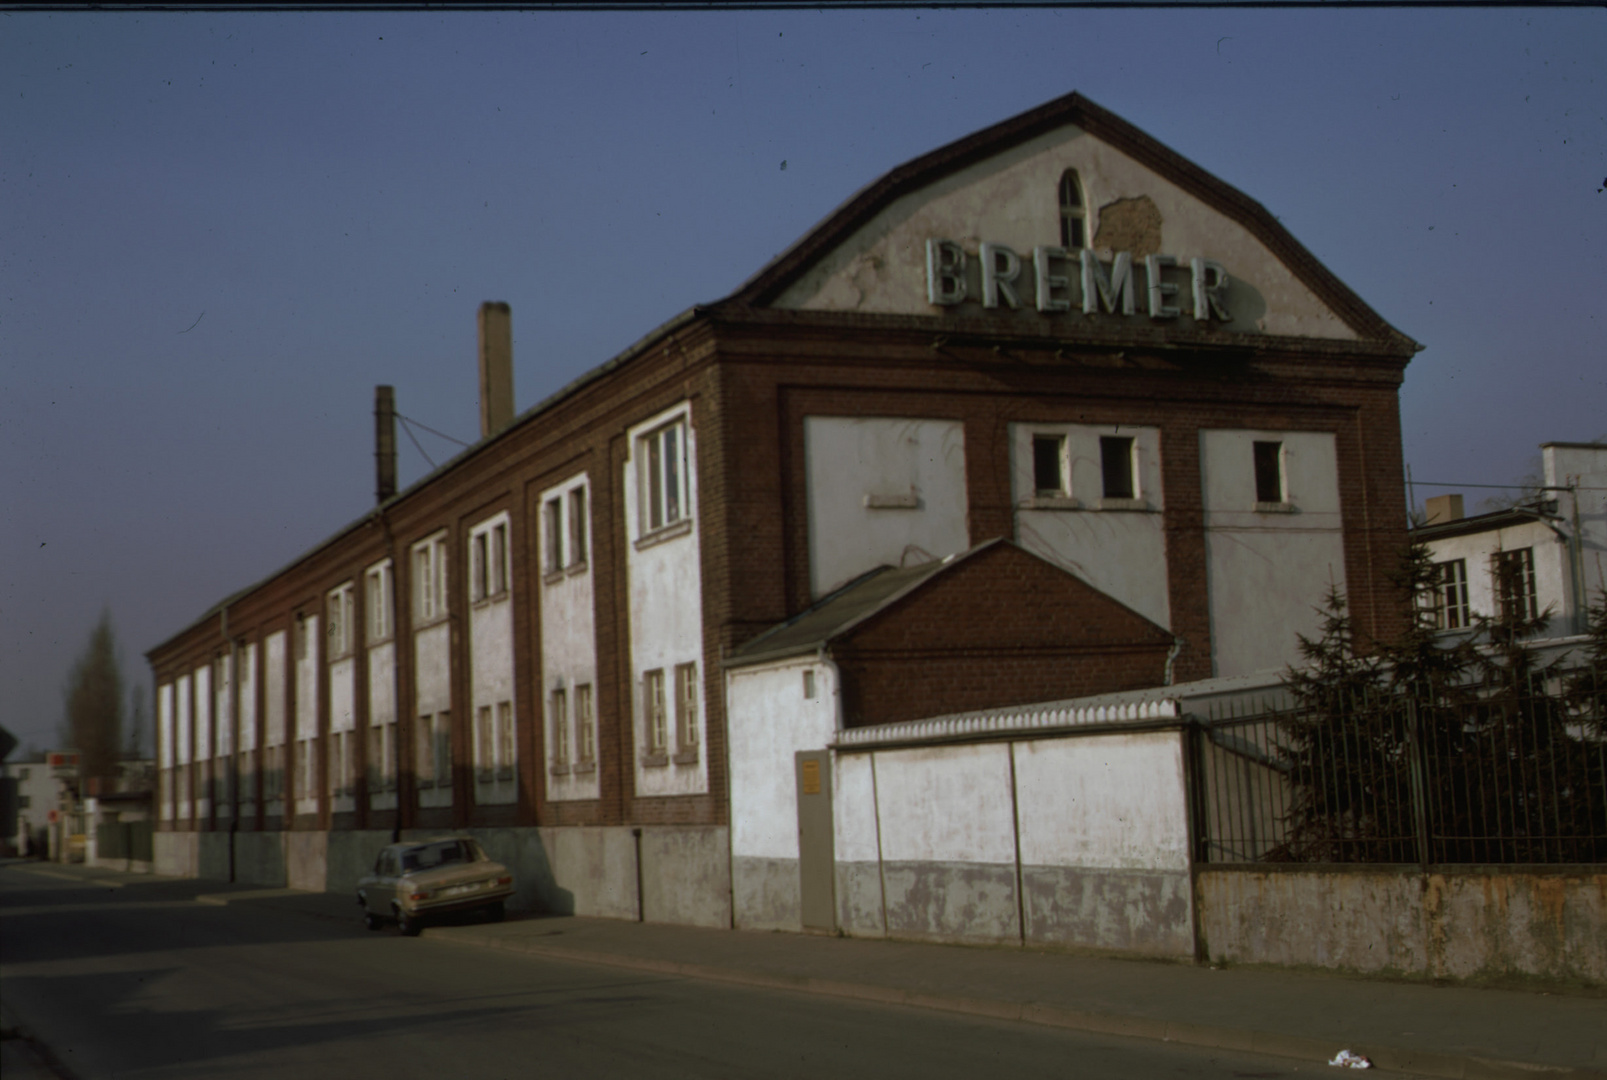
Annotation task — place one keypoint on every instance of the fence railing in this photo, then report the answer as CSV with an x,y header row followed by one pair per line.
x,y
1378,777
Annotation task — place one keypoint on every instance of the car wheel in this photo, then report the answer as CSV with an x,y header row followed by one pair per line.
x,y
409,925
495,912
372,921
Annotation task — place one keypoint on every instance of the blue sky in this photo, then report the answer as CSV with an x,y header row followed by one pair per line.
x,y
218,232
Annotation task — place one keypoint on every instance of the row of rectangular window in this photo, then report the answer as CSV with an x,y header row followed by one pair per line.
x,y
1118,466
656,712
1513,575
584,725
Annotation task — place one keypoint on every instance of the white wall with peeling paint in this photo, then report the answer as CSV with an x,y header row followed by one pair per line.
x,y
1112,802
1267,572
491,666
568,642
1013,199
948,804
768,721
1119,549
882,492
664,569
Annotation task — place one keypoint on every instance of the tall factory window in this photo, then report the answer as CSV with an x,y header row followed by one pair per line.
x,y
429,579
663,465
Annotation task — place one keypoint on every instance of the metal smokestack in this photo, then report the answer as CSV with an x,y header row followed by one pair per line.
x,y
384,443
496,367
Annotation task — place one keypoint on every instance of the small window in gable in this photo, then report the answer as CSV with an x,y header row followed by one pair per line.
x,y
1269,486
1073,216
1048,464
1116,465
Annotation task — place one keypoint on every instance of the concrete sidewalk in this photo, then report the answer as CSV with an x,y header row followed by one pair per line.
x,y
1440,1031
1426,1030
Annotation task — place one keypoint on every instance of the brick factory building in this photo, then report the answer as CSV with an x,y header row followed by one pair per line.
x,y
1047,412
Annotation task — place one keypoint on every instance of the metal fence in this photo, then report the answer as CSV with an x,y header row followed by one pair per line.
x,y
124,840
1479,775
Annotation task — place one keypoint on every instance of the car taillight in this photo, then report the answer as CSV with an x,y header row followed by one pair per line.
x,y
505,879
418,896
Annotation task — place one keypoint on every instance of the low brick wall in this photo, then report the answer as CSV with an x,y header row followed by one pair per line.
x,y
1477,923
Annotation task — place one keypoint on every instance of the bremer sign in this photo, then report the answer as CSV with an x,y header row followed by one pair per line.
x,y
1054,270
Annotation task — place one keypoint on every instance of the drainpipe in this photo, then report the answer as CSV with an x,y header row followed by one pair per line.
x,y
1576,565
1171,658
641,902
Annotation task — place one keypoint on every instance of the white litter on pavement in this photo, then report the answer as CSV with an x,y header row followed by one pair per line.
x,y
1346,1060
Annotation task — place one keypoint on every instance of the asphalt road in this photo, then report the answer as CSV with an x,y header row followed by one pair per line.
x,y
142,981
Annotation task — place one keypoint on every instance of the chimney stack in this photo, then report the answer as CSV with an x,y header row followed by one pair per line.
x,y
384,443
496,368
1442,508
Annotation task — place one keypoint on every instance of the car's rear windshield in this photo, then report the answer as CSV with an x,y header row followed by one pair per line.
x,y
429,856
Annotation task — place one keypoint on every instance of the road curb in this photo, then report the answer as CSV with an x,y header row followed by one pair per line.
x,y
1209,1036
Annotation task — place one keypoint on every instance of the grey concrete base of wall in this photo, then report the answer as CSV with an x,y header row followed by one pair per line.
x,y
1134,911
176,854
307,860
212,856
686,875
1459,924
259,859
592,872
940,901
764,893
859,899
350,855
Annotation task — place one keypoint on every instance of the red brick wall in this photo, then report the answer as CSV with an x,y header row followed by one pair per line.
x,y
1001,627
752,378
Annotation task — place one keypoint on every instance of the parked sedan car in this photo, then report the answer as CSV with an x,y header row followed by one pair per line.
x,y
414,881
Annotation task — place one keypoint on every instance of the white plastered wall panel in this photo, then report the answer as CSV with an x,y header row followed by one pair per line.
x,y
382,709
1013,199
1267,572
183,734
246,714
342,722
882,491
1583,467
306,750
946,804
1111,802
203,712
273,689
861,904
223,719
568,641
1118,548
165,747
203,739
248,696
769,719
223,706
948,842
275,684
491,656
666,604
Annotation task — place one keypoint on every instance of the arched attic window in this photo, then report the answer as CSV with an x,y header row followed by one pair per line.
x,y
1073,217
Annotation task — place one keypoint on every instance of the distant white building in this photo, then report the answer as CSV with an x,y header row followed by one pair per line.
x,y
42,801
1555,547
